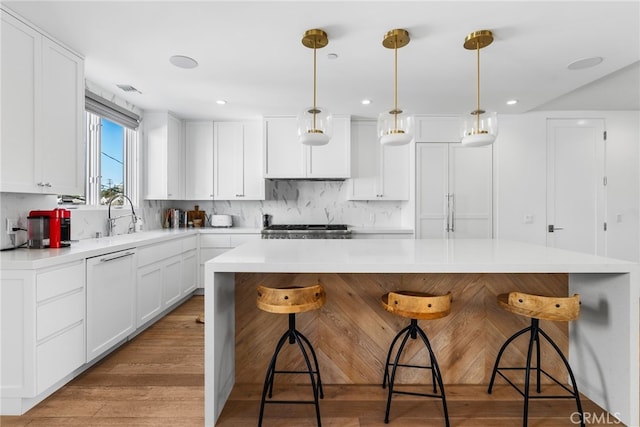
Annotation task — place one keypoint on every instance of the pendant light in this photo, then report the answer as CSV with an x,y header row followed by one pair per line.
x,y
315,125
396,126
481,127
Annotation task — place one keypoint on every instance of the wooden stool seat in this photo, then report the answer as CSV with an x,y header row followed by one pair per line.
x,y
417,305
290,300
537,307
563,309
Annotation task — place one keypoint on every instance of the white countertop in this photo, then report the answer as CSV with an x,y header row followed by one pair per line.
x,y
24,258
409,256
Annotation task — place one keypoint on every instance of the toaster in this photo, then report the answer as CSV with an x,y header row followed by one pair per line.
x,y
221,221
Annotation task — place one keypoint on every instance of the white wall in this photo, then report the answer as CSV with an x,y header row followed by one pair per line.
x,y
521,178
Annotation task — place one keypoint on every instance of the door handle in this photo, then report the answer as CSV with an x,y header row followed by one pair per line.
x,y
553,228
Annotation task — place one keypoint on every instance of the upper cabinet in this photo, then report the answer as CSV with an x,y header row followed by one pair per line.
x,y
237,161
164,160
41,113
380,172
286,158
198,136
437,129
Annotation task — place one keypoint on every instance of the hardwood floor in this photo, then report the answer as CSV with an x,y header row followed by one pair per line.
x,y
158,379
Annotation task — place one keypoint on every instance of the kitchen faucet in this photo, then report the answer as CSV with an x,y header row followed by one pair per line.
x,y
111,222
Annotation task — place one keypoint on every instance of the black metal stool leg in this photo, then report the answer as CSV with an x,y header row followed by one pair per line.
x,y
532,341
502,349
386,365
393,373
435,371
413,330
571,376
294,337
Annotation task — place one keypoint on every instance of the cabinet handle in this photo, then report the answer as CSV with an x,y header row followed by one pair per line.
x,y
239,195
117,257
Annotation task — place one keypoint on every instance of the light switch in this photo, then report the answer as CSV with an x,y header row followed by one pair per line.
x,y
528,219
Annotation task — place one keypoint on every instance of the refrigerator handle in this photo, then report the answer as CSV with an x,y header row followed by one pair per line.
x,y
446,204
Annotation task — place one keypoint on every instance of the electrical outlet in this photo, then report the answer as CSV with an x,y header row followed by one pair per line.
x,y
10,224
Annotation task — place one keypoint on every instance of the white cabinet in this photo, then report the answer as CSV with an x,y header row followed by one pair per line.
x,y
199,160
437,129
166,273
41,113
238,163
111,287
286,158
379,172
164,157
454,191
43,335
214,244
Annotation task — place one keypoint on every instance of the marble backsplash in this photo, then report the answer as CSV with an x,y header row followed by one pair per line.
x,y
288,202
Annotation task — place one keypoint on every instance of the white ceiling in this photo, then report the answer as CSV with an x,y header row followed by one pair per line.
x,y
250,54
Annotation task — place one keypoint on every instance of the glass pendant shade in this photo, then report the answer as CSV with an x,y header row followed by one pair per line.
x,y
315,126
395,128
480,127
478,131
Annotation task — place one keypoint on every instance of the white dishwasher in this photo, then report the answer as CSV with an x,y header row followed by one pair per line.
x,y
111,291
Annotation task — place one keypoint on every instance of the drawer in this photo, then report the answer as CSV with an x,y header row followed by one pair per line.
x,y
160,251
207,254
53,316
238,239
59,356
61,280
189,243
215,241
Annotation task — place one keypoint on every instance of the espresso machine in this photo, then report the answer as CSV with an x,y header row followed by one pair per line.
x,y
49,228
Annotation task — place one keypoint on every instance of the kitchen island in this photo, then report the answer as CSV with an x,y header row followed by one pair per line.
x,y
355,274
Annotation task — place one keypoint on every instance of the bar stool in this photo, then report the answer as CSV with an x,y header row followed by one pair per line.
x,y
414,306
546,308
291,301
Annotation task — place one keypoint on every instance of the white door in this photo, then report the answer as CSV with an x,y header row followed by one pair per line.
x,y
575,185
455,191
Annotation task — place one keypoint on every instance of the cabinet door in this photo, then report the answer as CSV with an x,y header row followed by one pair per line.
x,y
199,141
149,301
175,159
365,160
432,172
228,161
334,159
21,77
61,154
172,281
252,166
189,271
164,174
437,129
394,172
285,157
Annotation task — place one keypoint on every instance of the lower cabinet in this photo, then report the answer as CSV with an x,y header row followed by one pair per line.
x,y
43,335
166,273
212,245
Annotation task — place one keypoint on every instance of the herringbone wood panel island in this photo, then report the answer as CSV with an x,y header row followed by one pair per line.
x,y
157,380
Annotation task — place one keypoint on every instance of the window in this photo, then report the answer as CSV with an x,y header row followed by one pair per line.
x,y
111,147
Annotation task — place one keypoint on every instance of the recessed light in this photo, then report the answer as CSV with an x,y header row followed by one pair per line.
x,y
365,102
181,61
581,64
332,55
512,102
221,102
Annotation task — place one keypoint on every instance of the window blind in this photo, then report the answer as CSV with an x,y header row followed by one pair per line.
x,y
110,111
